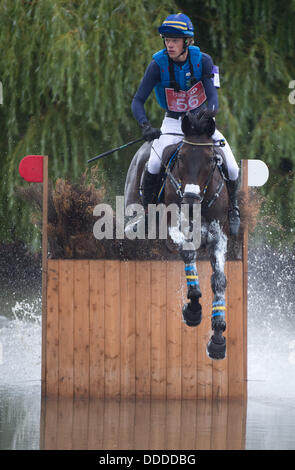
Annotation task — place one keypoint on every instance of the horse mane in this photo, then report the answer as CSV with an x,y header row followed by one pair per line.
x,y
201,123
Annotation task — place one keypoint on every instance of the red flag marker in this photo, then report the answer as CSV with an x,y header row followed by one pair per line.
x,y
31,168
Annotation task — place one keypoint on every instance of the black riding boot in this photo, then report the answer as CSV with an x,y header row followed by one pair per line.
x,y
234,211
149,188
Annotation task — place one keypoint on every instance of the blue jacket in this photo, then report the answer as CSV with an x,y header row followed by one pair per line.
x,y
153,76
182,73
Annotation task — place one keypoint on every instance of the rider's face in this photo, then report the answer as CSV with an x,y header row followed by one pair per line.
x,y
174,47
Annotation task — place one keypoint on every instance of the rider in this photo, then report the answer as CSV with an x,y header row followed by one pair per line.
x,y
174,70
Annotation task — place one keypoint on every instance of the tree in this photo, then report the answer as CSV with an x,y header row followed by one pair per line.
x,y
69,72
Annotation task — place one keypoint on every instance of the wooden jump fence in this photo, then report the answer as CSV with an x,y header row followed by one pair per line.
x,y
114,328
110,424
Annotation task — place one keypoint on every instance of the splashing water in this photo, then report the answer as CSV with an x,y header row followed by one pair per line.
x,y
20,372
271,323
20,339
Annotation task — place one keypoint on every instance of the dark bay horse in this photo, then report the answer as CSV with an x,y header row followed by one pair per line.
x,y
194,177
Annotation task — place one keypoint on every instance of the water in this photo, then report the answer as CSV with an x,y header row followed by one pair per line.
x,y
20,369
269,418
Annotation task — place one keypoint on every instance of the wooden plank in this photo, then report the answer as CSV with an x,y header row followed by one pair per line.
x,y
204,363
44,270
66,328
65,412
51,425
126,424
111,421
173,428
188,424
157,431
112,328
142,423
235,329
52,338
127,305
95,432
80,424
175,273
220,367
219,425
81,329
236,424
204,425
96,327
245,188
143,329
158,330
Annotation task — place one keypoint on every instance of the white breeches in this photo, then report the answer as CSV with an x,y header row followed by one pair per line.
x,y
174,126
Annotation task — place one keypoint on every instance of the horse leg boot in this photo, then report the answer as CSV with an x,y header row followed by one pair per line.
x,y
234,212
216,347
192,311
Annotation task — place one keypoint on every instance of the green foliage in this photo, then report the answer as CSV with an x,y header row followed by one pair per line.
x,y
253,42
69,71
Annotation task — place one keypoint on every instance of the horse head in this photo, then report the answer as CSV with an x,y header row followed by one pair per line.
x,y
195,158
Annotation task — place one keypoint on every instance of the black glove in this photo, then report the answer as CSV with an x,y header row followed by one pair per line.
x,y
150,133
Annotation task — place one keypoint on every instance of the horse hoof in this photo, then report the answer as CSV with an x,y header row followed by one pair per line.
x,y
216,350
192,316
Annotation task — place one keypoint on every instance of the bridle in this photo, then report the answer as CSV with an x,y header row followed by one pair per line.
x,y
177,185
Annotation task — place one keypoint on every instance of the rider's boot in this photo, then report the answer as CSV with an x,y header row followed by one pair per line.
x,y
149,188
234,211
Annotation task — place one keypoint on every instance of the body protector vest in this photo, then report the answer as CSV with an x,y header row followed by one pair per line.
x,y
180,88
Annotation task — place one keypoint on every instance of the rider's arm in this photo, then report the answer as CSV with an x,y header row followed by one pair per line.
x,y
210,90
151,77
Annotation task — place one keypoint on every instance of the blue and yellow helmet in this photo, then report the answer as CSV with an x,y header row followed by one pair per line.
x,y
177,25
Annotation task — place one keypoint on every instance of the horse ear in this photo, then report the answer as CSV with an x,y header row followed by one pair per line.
x,y
211,127
185,124
209,116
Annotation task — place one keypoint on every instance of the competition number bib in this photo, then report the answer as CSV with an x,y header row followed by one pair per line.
x,y
183,101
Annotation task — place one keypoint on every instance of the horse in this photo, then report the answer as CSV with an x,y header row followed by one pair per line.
x,y
194,176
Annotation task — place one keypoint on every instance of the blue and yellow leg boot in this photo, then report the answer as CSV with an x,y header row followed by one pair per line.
x,y
216,347
192,311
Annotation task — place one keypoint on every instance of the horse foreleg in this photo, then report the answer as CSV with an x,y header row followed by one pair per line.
x,y
216,348
192,311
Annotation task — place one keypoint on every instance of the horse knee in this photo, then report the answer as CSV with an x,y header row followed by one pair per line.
x,y
218,282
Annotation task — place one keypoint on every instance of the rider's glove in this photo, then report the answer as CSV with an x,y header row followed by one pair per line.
x,y
150,133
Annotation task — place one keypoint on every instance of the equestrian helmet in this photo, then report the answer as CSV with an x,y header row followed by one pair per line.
x,y
178,25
